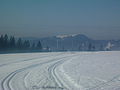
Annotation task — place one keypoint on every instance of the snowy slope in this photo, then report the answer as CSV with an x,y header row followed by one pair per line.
x,y
94,71
60,71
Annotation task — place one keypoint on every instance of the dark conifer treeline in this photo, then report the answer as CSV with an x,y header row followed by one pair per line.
x,y
10,43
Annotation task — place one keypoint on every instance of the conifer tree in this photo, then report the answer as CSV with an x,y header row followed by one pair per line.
x,y
5,41
12,42
33,46
39,46
1,42
26,44
19,43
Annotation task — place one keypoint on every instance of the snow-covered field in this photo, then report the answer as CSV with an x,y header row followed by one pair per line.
x,y
60,71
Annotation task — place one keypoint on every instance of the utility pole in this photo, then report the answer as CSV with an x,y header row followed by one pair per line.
x,y
72,44
57,44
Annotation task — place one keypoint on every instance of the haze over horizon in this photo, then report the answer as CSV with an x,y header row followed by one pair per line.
x,y
97,19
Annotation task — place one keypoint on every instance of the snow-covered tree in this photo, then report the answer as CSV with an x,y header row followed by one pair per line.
x,y
109,46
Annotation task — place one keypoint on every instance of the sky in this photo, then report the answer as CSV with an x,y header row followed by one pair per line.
x,y
98,19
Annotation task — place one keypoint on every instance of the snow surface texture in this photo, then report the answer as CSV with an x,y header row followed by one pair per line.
x,y
60,71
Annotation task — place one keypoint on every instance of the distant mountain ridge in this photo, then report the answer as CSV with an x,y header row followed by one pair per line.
x,y
77,42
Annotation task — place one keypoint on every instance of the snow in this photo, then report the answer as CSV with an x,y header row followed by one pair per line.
x,y
109,46
95,70
60,71
65,36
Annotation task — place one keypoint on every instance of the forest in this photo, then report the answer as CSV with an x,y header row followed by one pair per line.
x,y
11,44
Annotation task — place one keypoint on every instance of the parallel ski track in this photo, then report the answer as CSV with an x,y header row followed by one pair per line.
x,y
5,84
53,75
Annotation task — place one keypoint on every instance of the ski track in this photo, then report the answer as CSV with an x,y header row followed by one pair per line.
x,y
5,84
51,77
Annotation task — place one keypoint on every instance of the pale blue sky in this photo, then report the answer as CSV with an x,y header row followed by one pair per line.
x,y
98,19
